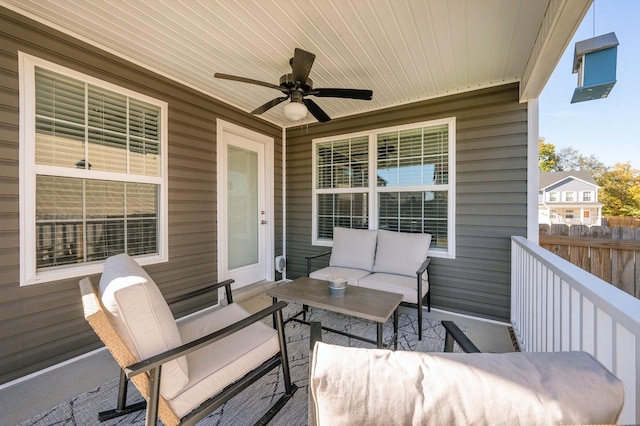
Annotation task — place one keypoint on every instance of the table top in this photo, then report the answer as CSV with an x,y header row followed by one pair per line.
x,y
360,302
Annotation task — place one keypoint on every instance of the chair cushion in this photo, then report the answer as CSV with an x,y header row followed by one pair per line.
x,y
401,388
401,252
215,366
353,276
407,286
353,248
142,318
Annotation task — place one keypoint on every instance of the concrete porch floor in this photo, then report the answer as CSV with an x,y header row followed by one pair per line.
x,y
25,398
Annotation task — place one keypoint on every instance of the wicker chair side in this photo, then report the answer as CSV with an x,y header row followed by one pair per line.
x,y
96,317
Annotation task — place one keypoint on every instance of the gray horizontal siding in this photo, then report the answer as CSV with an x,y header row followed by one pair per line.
x,y
491,173
43,324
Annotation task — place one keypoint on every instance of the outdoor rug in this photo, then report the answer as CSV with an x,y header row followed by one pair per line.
x,y
250,405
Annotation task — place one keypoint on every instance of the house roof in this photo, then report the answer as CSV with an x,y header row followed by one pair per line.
x,y
405,51
551,178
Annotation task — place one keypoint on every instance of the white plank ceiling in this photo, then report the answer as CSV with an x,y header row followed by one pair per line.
x,y
403,50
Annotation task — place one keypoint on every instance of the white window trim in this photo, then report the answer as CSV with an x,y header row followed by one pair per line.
x,y
28,168
372,190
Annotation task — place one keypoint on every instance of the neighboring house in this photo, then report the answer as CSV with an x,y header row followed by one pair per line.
x,y
459,163
570,198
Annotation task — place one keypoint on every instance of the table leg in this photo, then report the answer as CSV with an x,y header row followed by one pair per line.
x,y
380,346
274,300
395,329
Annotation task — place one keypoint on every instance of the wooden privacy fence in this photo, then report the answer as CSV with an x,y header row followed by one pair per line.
x,y
612,254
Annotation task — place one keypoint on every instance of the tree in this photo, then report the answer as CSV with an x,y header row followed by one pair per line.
x,y
570,159
547,157
620,191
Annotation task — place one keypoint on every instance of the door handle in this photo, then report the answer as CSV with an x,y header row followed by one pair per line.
x,y
263,222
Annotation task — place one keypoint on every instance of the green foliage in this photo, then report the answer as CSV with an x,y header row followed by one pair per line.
x,y
548,159
620,191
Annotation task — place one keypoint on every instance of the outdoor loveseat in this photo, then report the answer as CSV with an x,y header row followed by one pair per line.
x,y
382,260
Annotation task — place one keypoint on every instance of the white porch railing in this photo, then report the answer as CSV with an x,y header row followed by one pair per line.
x,y
556,306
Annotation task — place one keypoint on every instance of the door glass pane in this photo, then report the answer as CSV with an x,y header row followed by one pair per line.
x,y
242,209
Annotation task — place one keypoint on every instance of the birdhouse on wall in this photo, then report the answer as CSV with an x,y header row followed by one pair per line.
x,y
595,62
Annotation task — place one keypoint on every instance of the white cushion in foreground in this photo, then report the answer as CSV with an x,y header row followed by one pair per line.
x,y
379,387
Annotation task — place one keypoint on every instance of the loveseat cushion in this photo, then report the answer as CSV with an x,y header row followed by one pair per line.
x,y
381,387
353,276
142,318
353,248
400,252
393,283
230,358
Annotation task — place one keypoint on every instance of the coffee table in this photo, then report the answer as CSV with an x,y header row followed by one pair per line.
x,y
359,302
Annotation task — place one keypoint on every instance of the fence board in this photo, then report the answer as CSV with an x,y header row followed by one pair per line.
x,y
622,261
562,250
579,256
601,257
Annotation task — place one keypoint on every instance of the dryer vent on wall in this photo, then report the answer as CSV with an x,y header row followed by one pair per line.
x,y
280,264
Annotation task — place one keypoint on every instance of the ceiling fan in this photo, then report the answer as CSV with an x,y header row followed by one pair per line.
x,y
296,86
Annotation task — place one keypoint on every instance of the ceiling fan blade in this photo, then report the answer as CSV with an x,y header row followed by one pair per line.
x,y
316,111
247,80
301,65
266,107
363,94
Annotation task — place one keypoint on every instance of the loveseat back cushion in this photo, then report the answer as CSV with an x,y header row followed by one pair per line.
x,y
142,318
401,252
353,248
383,387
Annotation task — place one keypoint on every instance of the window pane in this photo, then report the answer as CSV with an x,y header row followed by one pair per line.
x,y
107,110
59,232
416,212
144,143
436,213
142,218
107,151
58,143
413,157
105,216
58,97
342,163
347,210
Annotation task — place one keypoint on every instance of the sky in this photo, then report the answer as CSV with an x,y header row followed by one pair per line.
x,y
607,128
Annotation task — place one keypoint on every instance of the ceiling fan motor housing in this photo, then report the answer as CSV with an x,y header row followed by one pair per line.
x,y
287,82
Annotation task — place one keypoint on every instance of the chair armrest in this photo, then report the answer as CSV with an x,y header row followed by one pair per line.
x,y
164,357
309,258
454,333
424,266
212,287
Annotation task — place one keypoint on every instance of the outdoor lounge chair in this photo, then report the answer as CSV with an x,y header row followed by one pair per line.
x,y
205,359
383,387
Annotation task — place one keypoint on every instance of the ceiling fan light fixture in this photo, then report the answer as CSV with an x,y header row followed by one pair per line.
x,y
295,111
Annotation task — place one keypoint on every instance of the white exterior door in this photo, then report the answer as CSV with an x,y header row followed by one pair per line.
x,y
245,193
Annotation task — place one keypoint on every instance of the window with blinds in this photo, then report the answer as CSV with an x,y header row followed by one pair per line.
x,y
396,179
95,160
